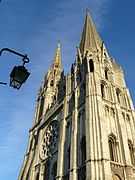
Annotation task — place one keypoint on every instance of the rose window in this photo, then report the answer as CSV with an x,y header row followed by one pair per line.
x,y
49,142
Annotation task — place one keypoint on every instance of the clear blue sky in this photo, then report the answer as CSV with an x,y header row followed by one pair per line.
x,y
34,27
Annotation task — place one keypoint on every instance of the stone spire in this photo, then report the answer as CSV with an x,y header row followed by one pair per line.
x,y
90,39
55,70
57,59
51,80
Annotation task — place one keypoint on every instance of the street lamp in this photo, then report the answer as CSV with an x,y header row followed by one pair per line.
x,y
19,74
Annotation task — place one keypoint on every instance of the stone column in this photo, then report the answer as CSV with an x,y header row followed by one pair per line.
x,y
74,144
61,146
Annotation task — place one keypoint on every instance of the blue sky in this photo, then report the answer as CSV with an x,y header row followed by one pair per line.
x,y
34,27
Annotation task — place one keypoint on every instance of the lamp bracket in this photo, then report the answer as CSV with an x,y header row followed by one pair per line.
x,y
25,57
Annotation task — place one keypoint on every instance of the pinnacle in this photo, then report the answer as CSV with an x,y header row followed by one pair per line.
x,y
57,59
59,44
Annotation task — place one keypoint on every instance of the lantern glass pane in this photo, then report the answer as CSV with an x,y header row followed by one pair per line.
x,y
14,84
18,76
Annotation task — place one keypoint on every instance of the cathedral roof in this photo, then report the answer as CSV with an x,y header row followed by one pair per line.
x,y
90,38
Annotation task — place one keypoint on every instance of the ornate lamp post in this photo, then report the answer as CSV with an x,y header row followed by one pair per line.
x,y
19,74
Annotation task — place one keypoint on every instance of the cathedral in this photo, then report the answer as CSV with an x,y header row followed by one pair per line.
x,y
84,123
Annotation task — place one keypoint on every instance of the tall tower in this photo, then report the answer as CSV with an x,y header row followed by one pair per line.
x,y
84,127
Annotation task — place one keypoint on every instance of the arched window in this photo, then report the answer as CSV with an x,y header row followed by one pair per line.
x,y
109,94
105,54
127,117
106,110
54,170
125,100
103,90
83,150
56,65
106,74
79,76
85,65
68,156
112,112
54,98
91,65
54,72
51,83
41,107
118,95
113,148
131,151
67,150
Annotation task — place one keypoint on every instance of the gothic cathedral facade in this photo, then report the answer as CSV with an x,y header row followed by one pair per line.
x,y
84,126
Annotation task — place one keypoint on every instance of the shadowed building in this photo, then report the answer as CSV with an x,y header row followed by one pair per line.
x,y
84,126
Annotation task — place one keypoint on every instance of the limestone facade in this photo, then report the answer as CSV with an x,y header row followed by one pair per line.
x,y
84,126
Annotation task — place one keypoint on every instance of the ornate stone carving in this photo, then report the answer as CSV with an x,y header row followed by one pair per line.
x,y
49,142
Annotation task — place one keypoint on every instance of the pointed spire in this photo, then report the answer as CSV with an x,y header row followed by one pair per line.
x,y
90,38
57,59
55,68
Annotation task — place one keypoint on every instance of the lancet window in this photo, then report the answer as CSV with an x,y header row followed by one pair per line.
x,y
68,156
124,100
113,148
127,118
51,83
109,93
82,93
106,74
67,151
118,95
79,75
109,111
85,65
106,110
131,151
91,65
71,102
103,90
41,107
83,150
72,77
121,97
112,112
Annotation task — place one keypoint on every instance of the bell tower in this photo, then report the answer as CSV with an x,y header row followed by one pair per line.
x,y
48,92
109,112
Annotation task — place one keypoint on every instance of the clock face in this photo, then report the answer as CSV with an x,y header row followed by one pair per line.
x,y
49,141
